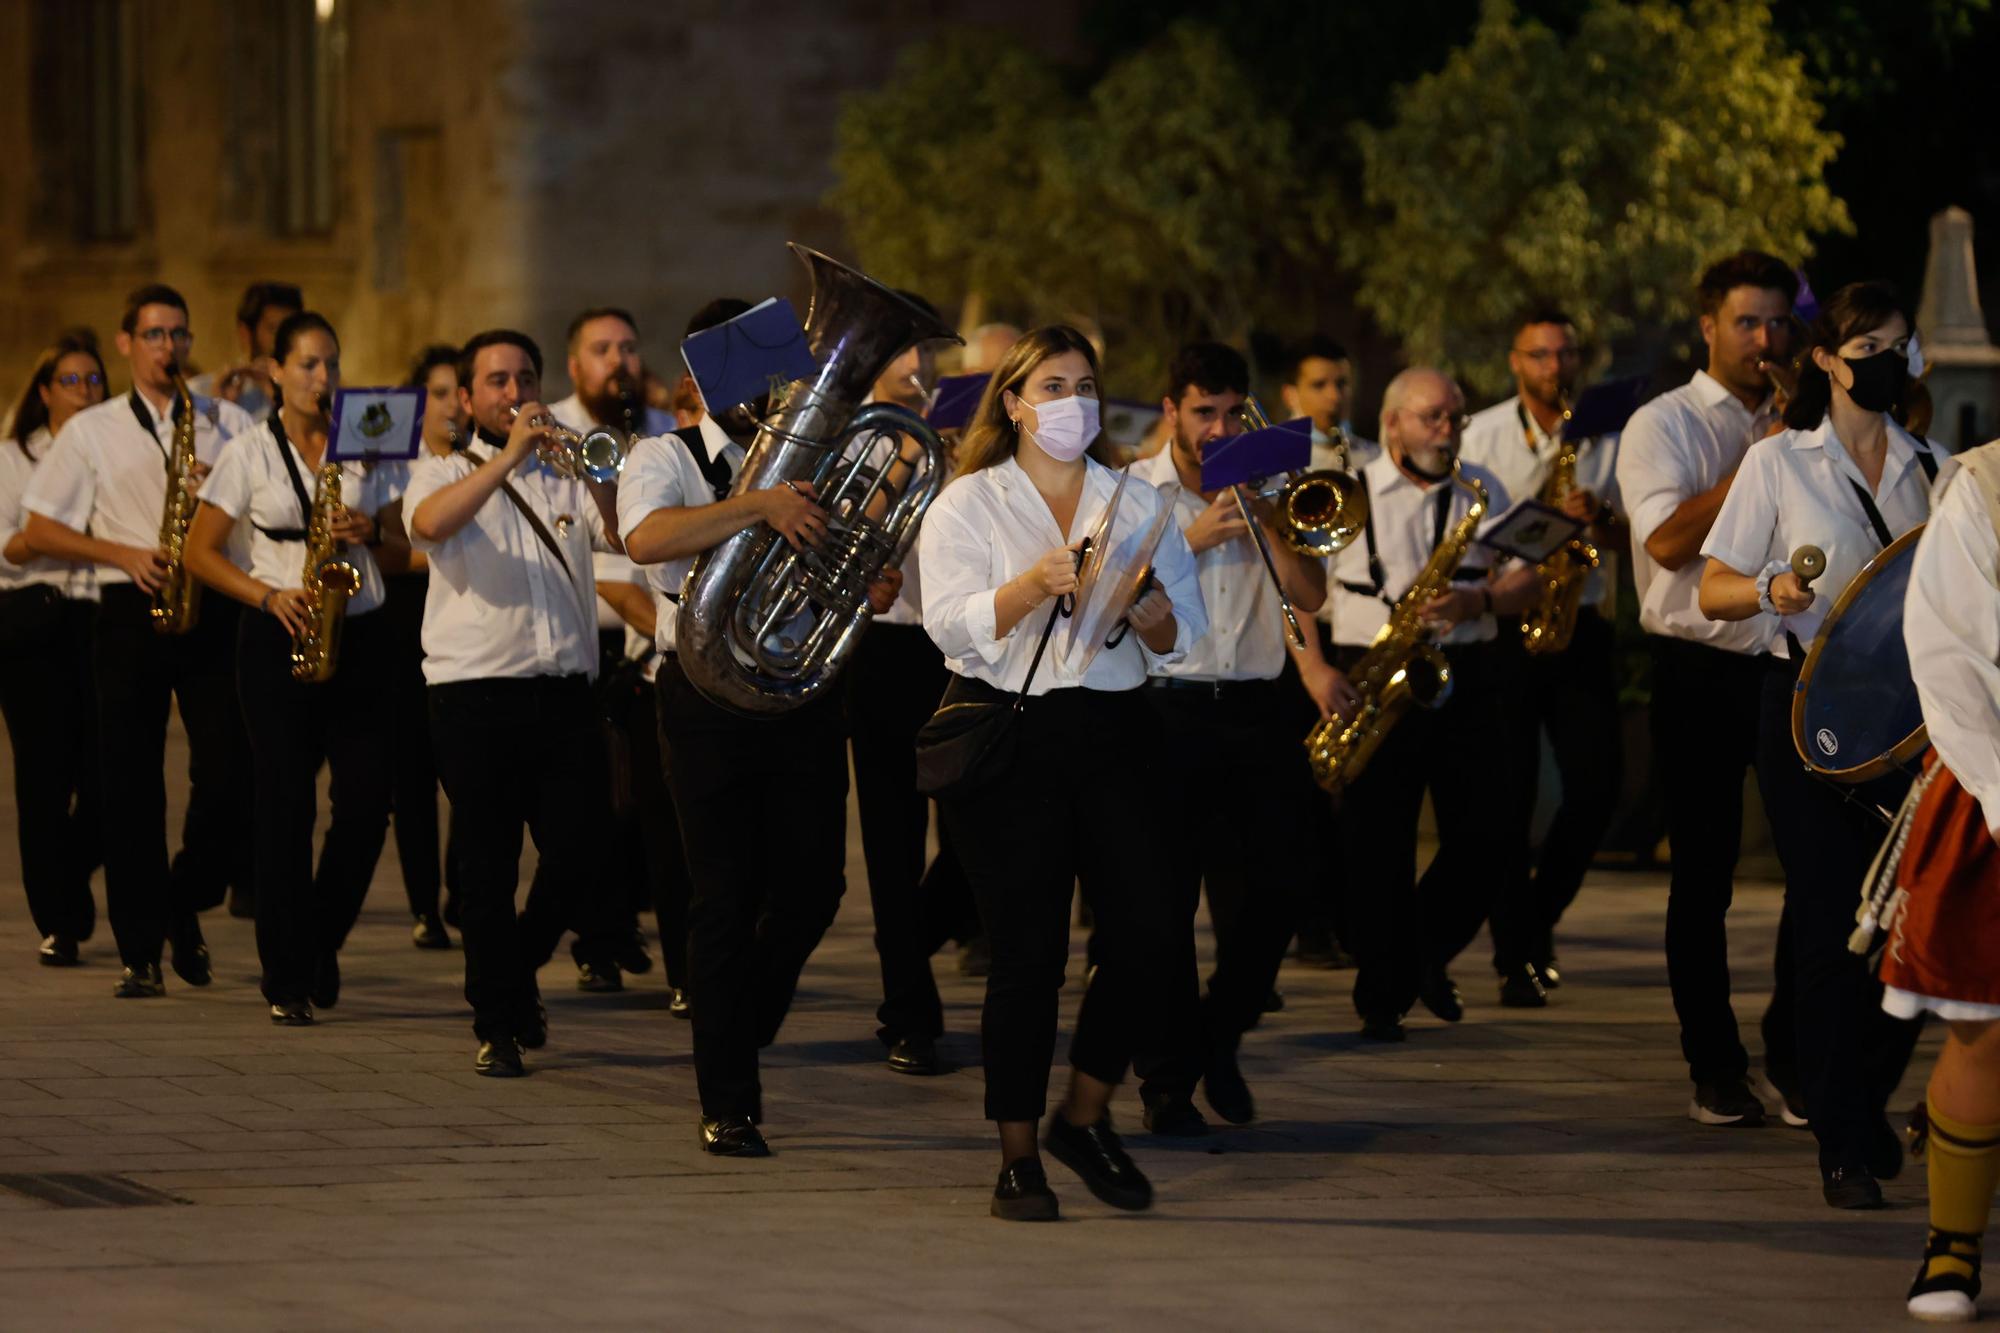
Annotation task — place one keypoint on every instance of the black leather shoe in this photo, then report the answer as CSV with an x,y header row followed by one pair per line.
x,y
140,983
1022,1193
1383,1027
1222,1083
297,1015
1850,1187
632,954
429,933
532,1028
189,953
59,951
975,957
1172,1116
677,1003
499,1059
1274,1003
1440,995
732,1136
914,1055
599,978
1099,1159
1884,1151
326,981
1552,977
1522,989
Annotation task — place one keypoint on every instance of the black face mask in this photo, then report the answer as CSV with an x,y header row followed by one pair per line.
x,y
1878,379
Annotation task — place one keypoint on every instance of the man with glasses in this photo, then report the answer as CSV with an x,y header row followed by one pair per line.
x,y
1405,931
1572,694
98,499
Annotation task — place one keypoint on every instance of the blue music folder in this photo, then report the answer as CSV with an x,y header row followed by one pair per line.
x,y
1257,454
1605,407
956,399
743,359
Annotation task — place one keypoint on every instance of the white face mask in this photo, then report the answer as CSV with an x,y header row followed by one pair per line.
x,y
1068,425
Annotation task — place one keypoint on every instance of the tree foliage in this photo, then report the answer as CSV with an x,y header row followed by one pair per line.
x,y
1600,170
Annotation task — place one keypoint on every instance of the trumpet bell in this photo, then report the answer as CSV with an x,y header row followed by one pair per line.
x,y
1321,512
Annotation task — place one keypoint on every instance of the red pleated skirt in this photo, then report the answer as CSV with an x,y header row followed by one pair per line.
x,y
1945,945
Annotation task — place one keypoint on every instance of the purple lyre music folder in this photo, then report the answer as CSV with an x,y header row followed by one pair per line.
x,y
1257,454
745,358
957,397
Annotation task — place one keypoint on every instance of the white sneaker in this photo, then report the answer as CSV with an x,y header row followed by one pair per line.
x,y
1776,1104
1944,1307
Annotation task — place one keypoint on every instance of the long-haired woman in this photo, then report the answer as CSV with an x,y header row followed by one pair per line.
x,y
1846,478
273,477
1076,798
45,694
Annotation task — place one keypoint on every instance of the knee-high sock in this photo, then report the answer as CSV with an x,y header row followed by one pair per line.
x,y
1964,1168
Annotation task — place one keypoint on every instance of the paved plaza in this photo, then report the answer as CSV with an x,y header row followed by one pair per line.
x,y
1524,1170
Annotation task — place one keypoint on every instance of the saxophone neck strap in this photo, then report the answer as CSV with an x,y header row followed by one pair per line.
x,y
144,416
1380,590
284,444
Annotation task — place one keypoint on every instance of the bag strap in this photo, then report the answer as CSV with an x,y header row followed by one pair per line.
x,y
1882,534
1055,613
541,529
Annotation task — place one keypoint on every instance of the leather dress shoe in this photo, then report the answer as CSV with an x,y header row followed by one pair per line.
x,y
429,933
732,1136
1522,989
1884,1151
1440,995
677,1003
1222,1083
632,954
1850,1187
1022,1193
140,983
1552,977
499,1059
531,1029
189,953
914,1055
599,978
298,1014
1099,1159
1383,1027
326,980
1172,1115
59,951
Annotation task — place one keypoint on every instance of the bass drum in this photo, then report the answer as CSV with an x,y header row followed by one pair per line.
x,y
1855,713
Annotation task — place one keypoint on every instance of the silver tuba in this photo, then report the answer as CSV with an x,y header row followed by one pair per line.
x,y
764,628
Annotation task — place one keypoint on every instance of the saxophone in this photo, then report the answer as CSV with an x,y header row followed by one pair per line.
x,y
177,601
1400,668
1550,623
329,581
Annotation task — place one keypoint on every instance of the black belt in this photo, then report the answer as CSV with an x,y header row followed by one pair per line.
x,y
1214,689
1457,576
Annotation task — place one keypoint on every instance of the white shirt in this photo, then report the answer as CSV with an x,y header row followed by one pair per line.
x,y
1403,515
1521,456
108,477
1326,454
500,604
1246,634
1951,626
1793,490
908,608
992,526
660,473
1673,449
250,481
17,469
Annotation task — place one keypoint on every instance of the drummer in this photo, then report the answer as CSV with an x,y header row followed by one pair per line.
x,y
1845,478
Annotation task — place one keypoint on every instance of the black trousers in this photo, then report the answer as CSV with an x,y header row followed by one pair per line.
x,y
1464,754
415,799
1238,749
138,672
521,754
662,857
345,723
762,805
893,686
1851,1055
1323,921
1573,695
1705,724
51,715
1026,838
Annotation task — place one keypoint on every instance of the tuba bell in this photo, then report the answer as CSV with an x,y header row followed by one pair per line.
x,y
764,628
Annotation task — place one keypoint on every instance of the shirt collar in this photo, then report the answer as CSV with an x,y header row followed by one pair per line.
x,y
1902,450
1713,392
1384,476
714,438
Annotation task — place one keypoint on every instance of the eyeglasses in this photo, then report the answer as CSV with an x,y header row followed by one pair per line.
x,y
71,380
158,334
1540,355
1440,416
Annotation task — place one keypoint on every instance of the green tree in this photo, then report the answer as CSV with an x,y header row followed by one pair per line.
x,y
1600,170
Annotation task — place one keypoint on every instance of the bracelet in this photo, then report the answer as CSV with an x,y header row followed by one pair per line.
x,y
1769,572
265,605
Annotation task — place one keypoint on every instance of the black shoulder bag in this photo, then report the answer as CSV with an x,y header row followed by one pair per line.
x,y
970,740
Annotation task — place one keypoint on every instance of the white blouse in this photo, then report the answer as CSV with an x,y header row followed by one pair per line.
x,y
1951,626
661,473
992,526
17,469
1797,488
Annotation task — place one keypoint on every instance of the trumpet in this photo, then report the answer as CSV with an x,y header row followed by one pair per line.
x,y
597,454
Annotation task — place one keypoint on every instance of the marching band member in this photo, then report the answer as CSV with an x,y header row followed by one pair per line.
x,y
1676,461
1845,478
1233,724
999,549
276,478
98,499
46,607
510,650
1572,693
249,383
1405,929
1944,951
762,897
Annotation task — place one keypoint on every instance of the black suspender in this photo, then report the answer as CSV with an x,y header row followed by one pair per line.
x,y
1378,585
146,423
1926,461
715,471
